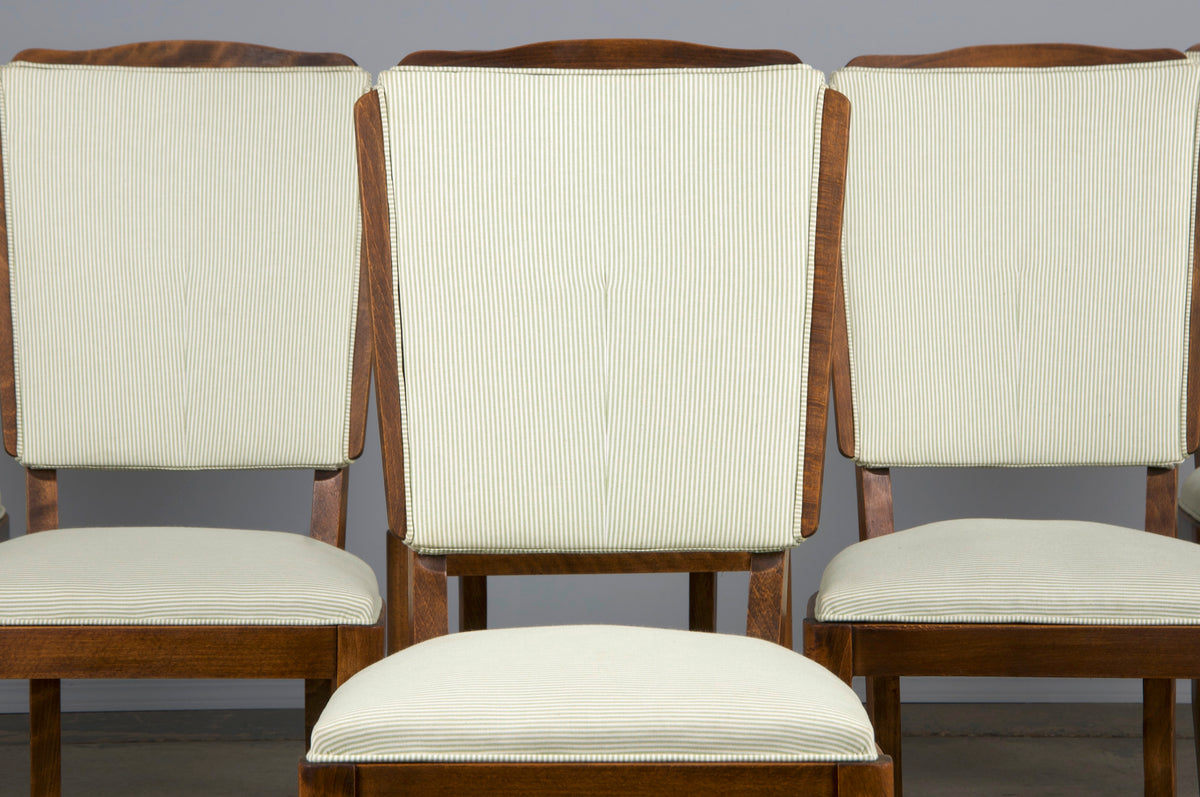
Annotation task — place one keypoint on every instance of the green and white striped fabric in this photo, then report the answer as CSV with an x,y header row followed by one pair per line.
x,y
1014,571
1017,260
184,257
182,576
602,297
593,693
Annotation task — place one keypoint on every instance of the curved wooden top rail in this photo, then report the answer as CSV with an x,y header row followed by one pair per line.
x,y
168,54
603,54
1018,55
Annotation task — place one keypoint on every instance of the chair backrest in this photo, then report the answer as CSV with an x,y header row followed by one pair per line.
x,y
182,258
611,292
1018,257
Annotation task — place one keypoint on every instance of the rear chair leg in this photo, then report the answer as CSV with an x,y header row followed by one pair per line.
x,y
45,737
1158,736
317,692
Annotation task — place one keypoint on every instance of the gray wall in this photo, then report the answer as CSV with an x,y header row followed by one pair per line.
x,y
377,34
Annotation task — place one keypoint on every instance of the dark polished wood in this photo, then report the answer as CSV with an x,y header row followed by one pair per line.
x,y
875,516
604,54
171,54
45,732
360,373
358,646
883,706
1019,650
702,602
543,564
1161,489
330,492
168,651
399,611
831,188
1017,55
41,500
635,780
886,651
829,644
768,579
472,603
372,176
427,596
327,780
1158,735
317,692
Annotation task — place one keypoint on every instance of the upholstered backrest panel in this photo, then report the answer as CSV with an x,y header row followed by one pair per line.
x,y
183,250
1017,260
603,283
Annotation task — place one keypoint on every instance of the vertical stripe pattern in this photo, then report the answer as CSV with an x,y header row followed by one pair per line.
x,y
602,282
183,249
1017,261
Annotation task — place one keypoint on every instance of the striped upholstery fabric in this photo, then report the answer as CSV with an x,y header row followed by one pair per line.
x,y
1193,55
603,304
1017,260
184,255
1015,571
1189,495
182,576
593,693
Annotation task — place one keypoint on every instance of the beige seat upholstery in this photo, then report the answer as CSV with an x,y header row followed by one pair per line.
x,y
593,693
988,570
182,576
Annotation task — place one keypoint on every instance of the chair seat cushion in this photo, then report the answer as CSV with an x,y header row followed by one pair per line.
x,y
182,576
593,693
1189,491
1015,571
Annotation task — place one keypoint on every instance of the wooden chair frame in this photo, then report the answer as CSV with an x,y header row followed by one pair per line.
x,y
417,585
883,652
324,656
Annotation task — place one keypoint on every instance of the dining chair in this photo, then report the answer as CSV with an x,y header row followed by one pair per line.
x,y
602,297
1017,264
180,290
604,54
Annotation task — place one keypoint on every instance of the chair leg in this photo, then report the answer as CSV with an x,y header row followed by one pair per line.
x,y
1196,720
326,780
317,692
359,646
45,737
702,601
472,603
883,706
1158,736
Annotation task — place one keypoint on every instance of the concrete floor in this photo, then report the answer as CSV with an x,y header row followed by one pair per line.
x,y
983,750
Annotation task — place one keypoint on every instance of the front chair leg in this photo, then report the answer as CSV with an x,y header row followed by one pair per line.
x,y
883,706
1158,736
45,737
